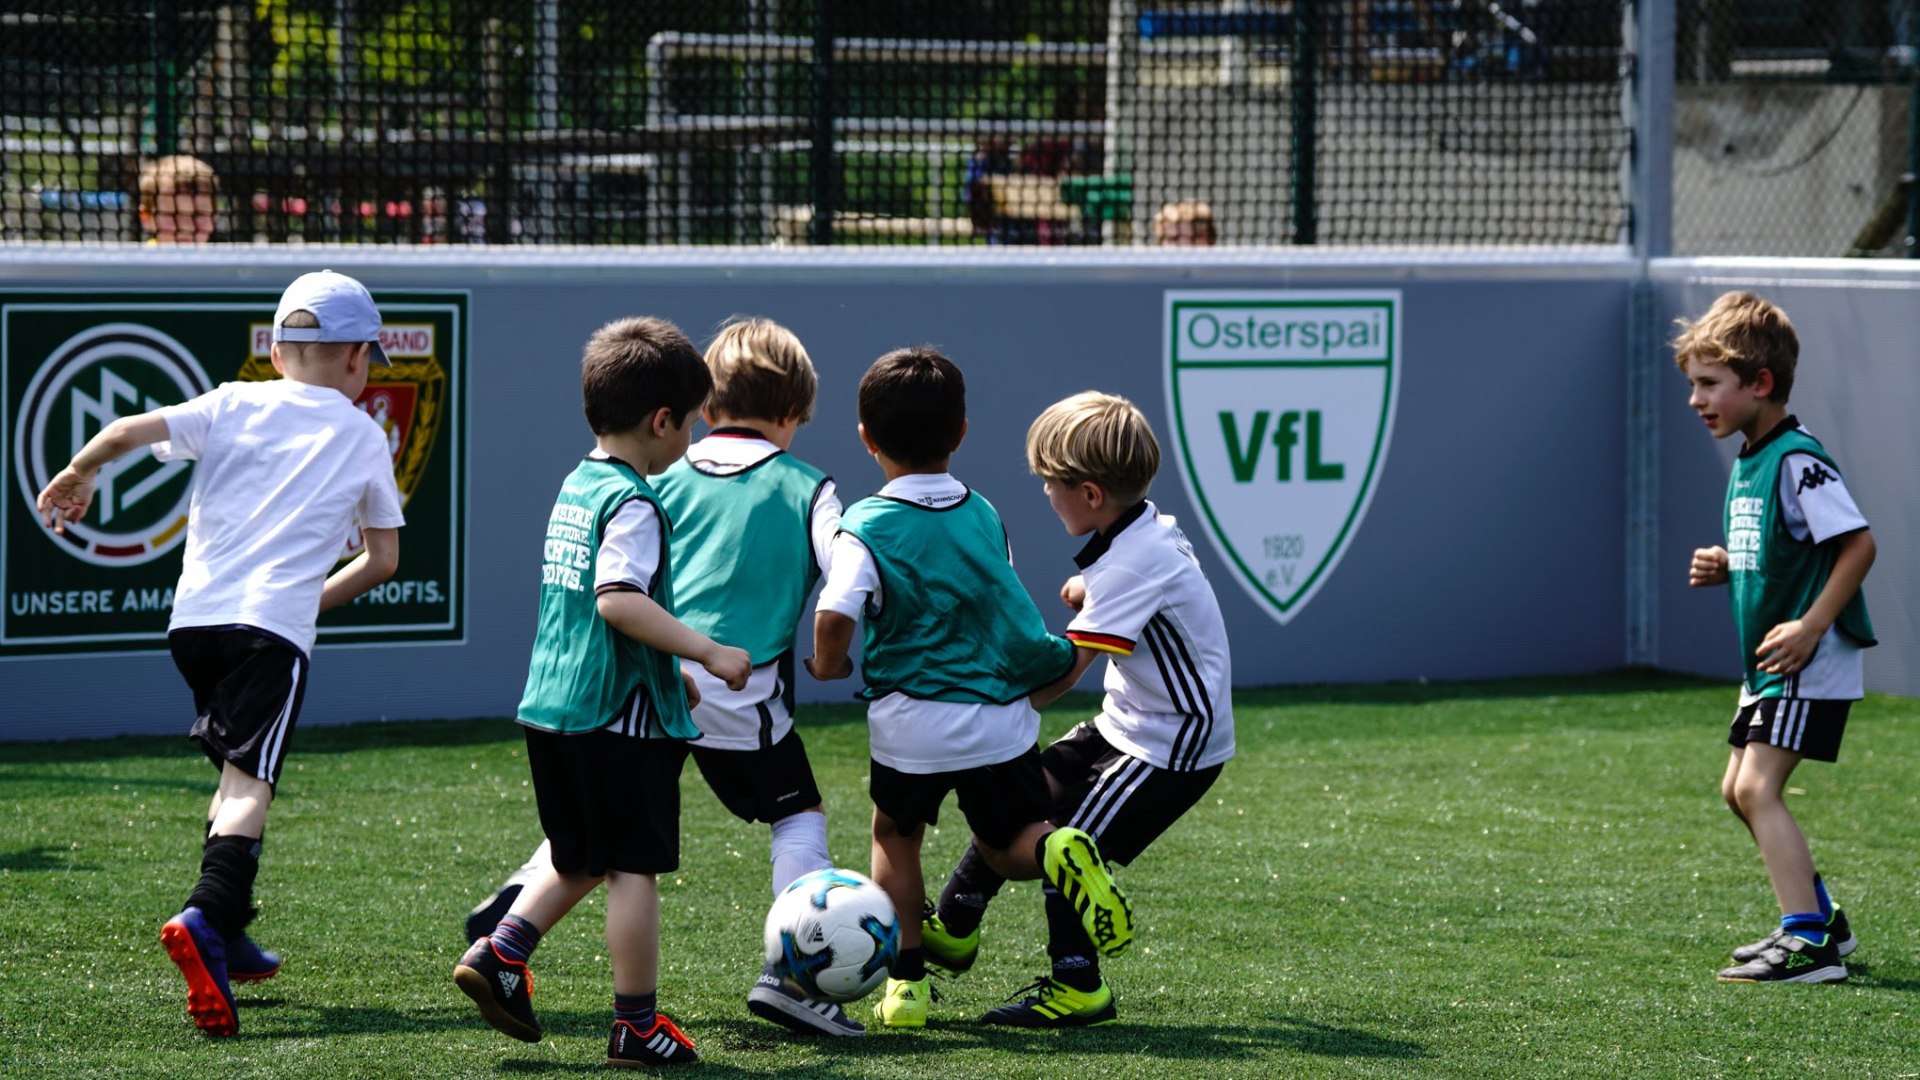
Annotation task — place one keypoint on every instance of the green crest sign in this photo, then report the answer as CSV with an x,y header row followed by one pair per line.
x,y
72,362
1282,406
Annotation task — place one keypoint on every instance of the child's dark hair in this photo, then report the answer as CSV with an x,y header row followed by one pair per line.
x,y
913,403
634,366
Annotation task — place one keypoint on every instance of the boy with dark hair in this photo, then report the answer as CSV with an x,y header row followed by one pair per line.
x,y
1797,550
606,705
285,470
752,525
1165,730
953,647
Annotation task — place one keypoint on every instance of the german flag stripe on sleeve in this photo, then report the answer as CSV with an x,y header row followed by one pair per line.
x,y
1087,639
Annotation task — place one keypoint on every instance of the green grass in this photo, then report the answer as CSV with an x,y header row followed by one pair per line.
x,y
1493,880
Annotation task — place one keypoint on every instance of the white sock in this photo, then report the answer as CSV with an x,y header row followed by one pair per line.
x,y
799,847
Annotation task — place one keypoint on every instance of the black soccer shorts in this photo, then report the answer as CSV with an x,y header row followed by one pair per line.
x,y
247,689
1122,802
1810,728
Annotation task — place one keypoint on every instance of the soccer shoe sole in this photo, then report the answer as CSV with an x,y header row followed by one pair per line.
x,y
210,1009
1082,878
477,986
799,1017
1832,973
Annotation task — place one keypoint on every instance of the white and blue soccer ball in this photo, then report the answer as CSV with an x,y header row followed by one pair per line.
x,y
835,933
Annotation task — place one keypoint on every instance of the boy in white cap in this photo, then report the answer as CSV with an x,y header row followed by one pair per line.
x,y
286,469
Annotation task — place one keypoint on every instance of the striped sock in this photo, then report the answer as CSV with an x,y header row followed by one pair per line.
x,y
1808,926
515,939
1820,894
636,1009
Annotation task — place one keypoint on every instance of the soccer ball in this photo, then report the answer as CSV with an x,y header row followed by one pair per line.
x,y
834,933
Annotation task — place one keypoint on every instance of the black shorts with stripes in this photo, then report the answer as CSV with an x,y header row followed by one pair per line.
x,y
1123,802
767,784
247,689
1810,728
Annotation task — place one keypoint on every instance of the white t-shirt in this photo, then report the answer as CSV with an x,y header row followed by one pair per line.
x,y
1169,678
911,734
286,472
732,719
1816,505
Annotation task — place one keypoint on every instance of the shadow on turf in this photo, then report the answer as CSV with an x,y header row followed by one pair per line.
x,y
1862,975
44,857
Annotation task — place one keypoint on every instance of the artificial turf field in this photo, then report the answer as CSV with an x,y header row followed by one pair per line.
x,y
1531,878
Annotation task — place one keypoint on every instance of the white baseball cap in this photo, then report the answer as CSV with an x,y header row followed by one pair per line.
x,y
343,306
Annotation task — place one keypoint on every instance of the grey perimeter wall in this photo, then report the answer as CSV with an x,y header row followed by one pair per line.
x,y
1494,541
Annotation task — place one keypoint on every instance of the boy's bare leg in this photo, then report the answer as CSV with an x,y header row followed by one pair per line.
x,y
896,869
549,895
1757,789
633,931
239,806
1018,860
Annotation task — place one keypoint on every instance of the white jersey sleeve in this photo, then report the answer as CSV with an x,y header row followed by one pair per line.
x,y
1814,500
379,506
823,524
1119,602
852,577
188,424
629,555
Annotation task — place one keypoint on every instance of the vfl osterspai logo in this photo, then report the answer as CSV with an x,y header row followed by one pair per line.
x,y
1282,406
93,378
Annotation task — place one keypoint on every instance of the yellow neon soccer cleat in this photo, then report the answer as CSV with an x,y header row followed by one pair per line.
x,y
1052,1003
904,1005
949,951
1074,866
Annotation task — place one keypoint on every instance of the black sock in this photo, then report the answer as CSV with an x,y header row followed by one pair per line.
x,y
636,1009
963,903
1074,962
1040,855
911,965
225,892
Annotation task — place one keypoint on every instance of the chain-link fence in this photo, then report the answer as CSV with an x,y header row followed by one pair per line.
x,y
790,122
1793,127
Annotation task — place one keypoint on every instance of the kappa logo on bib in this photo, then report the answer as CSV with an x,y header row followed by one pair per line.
x,y
86,382
1282,407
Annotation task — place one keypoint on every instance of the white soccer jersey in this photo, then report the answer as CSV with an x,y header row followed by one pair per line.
x,y
285,471
1169,675
733,719
1815,504
911,734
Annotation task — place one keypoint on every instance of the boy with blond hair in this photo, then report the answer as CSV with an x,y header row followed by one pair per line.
x,y
751,529
953,648
285,470
1165,730
176,200
606,703
1797,549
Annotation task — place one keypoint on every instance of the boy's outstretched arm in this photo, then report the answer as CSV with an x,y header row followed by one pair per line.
x,y
1083,658
376,563
68,495
636,615
832,638
1788,647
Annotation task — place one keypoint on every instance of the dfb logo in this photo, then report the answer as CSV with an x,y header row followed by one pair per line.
x,y
88,381
1282,406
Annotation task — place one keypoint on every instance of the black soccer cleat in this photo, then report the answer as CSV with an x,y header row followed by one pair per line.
x,y
662,1044
1791,959
502,988
1843,940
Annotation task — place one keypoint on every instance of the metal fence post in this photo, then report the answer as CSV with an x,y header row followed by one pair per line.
x,y
1301,166
1649,37
165,38
1912,178
822,158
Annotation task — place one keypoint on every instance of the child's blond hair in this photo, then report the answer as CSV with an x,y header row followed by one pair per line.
x,y
1746,333
175,174
761,372
1095,437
